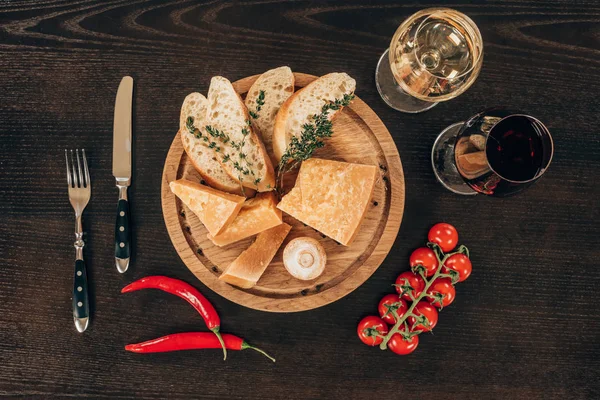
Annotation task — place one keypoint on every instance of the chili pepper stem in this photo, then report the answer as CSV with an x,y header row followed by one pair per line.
x,y
215,330
245,345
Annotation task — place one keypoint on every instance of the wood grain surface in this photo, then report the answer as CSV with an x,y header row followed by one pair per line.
x,y
525,325
359,137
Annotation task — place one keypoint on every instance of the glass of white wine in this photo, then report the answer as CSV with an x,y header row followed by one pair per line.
x,y
435,55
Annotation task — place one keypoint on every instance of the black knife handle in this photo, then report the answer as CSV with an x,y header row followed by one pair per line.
x,y
122,231
81,305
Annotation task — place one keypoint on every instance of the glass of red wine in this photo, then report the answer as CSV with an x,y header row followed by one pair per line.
x,y
496,152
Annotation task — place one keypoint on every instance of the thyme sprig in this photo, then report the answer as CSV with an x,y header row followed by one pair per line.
x,y
260,101
215,138
311,138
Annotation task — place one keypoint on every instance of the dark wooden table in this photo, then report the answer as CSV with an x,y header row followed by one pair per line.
x,y
525,325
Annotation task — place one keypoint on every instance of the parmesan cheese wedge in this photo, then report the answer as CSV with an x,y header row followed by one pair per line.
x,y
331,196
214,208
257,215
247,269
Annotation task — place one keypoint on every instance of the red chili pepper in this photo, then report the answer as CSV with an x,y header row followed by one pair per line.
x,y
186,292
191,341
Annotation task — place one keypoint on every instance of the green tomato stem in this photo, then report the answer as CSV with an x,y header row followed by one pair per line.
x,y
400,320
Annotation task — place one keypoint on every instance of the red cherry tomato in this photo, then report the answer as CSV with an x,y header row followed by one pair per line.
x,y
409,280
402,346
459,263
426,257
371,329
445,235
441,293
389,303
425,309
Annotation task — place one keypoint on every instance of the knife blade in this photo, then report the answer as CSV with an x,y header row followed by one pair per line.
x,y
122,145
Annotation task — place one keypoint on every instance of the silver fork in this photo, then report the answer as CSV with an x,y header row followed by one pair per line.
x,y
80,188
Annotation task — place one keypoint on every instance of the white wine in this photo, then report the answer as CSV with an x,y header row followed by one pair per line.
x,y
436,54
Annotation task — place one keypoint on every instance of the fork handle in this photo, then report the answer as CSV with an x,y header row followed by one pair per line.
x,y
122,232
81,305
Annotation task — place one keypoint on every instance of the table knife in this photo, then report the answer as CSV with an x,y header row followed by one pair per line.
x,y
122,171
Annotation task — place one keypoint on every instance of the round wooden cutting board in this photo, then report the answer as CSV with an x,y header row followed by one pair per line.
x,y
359,137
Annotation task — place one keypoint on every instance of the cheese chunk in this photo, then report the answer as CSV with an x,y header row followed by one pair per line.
x,y
214,208
247,269
331,196
257,215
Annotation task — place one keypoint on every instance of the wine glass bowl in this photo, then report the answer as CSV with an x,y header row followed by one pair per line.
x,y
435,55
497,152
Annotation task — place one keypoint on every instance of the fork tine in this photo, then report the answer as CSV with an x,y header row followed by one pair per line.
x,y
74,177
79,170
69,181
85,167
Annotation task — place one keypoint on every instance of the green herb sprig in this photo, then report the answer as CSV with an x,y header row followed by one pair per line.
x,y
311,138
260,101
214,139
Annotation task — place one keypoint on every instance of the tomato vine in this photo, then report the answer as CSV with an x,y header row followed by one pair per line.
x,y
400,327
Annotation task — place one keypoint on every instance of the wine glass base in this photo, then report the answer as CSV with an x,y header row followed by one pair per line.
x,y
392,93
442,161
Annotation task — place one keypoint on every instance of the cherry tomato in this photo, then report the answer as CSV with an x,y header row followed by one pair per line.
x,y
426,257
409,280
445,235
441,293
402,346
425,309
391,302
371,329
459,263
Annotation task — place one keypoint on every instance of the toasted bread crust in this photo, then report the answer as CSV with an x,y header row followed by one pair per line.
x,y
267,182
281,136
225,186
211,170
277,85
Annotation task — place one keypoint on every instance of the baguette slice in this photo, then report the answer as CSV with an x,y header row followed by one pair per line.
x,y
257,215
227,113
332,197
278,86
305,103
247,269
203,158
215,209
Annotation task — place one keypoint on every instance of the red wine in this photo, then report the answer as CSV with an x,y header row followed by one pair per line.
x,y
499,152
514,148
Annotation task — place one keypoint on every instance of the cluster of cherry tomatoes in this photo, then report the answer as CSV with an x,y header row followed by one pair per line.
x,y
428,286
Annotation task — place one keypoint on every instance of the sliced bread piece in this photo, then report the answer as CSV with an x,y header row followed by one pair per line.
x,y
203,158
257,215
215,209
277,85
331,196
247,269
306,102
244,155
